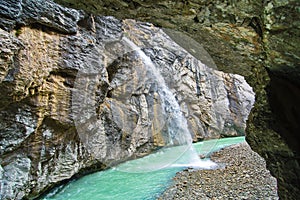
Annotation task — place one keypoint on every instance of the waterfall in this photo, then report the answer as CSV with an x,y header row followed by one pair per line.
x,y
178,135
176,123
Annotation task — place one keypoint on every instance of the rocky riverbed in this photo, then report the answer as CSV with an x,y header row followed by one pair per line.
x,y
242,175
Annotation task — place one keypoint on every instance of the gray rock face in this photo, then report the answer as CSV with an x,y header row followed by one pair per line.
x,y
14,176
211,100
18,13
243,37
83,102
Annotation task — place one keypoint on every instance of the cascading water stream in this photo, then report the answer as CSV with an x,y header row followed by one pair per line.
x,y
176,123
178,151
177,133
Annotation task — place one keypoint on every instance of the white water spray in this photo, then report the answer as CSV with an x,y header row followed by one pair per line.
x,y
177,130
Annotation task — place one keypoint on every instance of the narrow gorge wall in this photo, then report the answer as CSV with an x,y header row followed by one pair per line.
x,y
77,97
256,39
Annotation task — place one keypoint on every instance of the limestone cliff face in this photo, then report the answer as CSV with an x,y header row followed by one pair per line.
x,y
256,39
81,93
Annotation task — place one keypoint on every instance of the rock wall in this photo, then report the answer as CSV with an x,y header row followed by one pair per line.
x,y
276,135
256,39
77,96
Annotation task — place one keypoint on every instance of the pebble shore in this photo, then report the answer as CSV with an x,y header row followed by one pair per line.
x,y
242,175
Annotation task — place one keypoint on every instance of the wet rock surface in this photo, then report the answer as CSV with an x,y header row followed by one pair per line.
x,y
242,175
17,13
256,39
242,37
77,97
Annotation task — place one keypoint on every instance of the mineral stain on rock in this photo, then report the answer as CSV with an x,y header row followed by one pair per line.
x,y
80,102
246,38
44,45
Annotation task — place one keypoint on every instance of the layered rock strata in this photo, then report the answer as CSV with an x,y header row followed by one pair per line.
x,y
77,96
257,39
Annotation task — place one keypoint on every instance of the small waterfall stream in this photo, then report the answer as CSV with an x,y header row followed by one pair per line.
x,y
177,133
176,123
147,177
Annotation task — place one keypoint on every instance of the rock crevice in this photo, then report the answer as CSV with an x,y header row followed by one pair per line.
x,y
46,49
80,97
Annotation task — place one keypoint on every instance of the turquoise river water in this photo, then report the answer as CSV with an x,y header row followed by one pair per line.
x,y
132,180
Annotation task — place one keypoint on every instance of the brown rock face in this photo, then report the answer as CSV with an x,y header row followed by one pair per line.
x,y
96,91
246,38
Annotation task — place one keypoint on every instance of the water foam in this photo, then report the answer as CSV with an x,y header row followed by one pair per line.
x,y
177,129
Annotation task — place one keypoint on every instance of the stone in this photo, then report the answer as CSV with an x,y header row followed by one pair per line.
x,y
14,176
76,103
241,37
43,12
11,8
245,38
222,183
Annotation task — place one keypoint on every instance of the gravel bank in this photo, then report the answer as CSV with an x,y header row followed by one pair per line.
x,y
243,176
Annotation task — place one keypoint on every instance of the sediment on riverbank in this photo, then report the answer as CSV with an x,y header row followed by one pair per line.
x,y
242,175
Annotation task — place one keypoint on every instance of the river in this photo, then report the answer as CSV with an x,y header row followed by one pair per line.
x,y
128,181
